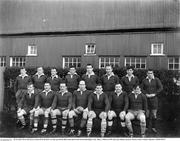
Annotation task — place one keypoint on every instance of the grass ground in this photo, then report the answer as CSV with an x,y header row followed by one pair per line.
x,y
8,128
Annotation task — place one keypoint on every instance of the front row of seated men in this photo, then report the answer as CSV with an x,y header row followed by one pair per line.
x,y
86,104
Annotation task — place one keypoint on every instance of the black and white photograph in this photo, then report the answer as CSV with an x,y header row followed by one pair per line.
x,y
89,70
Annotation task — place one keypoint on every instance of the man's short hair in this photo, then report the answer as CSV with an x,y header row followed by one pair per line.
x,y
39,67
135,86
62,83
150,70
130,67
72,66
118,84
82,81
99,85
23,68
53,68
89,65
47,83
109,65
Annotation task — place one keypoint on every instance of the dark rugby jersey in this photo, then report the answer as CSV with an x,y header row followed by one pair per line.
x,y
39,82
63,100
119,102
98,104
128,85
55,82
80,99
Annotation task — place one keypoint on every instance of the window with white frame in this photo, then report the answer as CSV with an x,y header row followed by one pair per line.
x,y
113,61
32,50
157,49
137,62
17,61
173,63
71,61
2,61
90,48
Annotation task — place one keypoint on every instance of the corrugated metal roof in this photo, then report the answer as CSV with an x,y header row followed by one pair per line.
x,y
21,16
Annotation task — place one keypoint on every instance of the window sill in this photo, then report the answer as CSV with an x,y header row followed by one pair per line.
x,y
90,54
31,54
157,54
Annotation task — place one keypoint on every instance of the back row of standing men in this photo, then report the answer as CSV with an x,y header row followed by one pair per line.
x,y
151,86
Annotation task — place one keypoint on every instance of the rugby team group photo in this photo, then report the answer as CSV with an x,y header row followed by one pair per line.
x,y
87,97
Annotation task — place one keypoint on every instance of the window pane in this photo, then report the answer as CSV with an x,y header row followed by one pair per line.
x,y
138,66
111,59
143,60
127,59
155,50
176,60
143,66
171,60
137,60
170,66
176,66
159,49
102,66
102,59
66,59
132,60
79,65
116,59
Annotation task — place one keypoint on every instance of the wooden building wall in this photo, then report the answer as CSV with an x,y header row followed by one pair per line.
x,y
53,21
51,49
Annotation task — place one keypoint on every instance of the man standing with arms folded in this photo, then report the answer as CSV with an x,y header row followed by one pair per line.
x,y
151,87
72,79
90,78
129,80
109,80
39,79
80,107
54,80
21,83
61,106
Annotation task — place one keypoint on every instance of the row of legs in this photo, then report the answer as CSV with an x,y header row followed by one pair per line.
x,y
88,122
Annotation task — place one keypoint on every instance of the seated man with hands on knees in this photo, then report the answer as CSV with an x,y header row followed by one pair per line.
x,y
119,105
61,106
46,98
80,103
28,105
137,109
98,106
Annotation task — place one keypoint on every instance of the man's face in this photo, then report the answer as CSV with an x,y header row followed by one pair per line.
x,y
150,74
53,72
82,85
40,70
99,89
63,87
72,70
23,71
89,69
118,88
30,88
108,69
129,72
47,86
